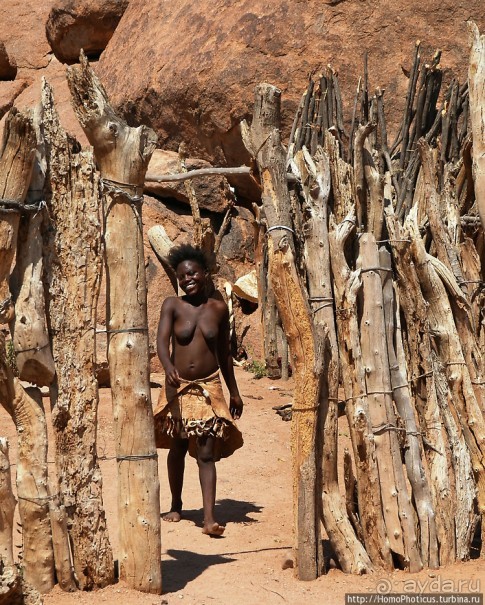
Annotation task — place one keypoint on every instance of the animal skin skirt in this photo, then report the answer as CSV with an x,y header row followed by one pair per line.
x,y
196,409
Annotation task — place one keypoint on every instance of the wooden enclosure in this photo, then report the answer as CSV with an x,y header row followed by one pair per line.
x,y
370,256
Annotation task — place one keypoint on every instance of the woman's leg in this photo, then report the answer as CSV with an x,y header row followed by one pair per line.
x,y
176,468
208,477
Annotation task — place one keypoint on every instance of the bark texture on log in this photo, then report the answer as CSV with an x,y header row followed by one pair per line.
x,y
16,163
29,327
265,145
32,484
7,509
476,86
418,478
72,249
314,174
396,502
347,285
123,154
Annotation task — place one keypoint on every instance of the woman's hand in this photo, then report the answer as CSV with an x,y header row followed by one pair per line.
x,y
236,406
172,376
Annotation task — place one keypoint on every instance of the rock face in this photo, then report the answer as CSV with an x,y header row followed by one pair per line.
x,y
82,24
8,67
189,69
212,192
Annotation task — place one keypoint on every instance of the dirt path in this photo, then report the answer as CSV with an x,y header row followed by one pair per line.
x,y
254,501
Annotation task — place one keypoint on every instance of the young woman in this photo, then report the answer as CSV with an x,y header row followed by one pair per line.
x,y
192,415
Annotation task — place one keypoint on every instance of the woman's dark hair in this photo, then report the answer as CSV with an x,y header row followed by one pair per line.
x,y
184,252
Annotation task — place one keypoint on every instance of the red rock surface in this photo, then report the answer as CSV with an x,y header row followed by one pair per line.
x,y
189,69
82,24
8,67
212,192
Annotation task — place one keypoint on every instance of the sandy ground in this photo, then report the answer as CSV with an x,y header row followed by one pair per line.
x,y
254,501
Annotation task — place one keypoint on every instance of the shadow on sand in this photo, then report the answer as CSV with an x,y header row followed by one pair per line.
x,y
227,511
185,566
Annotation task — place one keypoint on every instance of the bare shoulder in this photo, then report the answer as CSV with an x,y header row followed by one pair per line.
x,y
219,307
170,303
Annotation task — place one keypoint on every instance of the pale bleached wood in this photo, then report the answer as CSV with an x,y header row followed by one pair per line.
x,y
16,162
32,484
314,174
266,301
401,389
342,179
29,328
396,501
347,284
122,154
452,396
60,542
72,275
161,245
424,376
11,592
8,507
476,88
265,145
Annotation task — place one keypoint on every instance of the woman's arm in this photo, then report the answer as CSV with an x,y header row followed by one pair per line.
x,y
164,335
227,367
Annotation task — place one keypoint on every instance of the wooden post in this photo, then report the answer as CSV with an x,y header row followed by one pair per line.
x,y
315,177
29,327
72,251
396,502
16,162
265,145
347,284
122,154
266,299
476,87
413,451
10,585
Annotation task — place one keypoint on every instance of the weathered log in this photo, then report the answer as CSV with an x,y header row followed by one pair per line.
x,y
342,179
122,154
266,299
72,251
315,179
360,193
7,509
347,284
424,376
413,450
453,397
32,484
16,161
29,327
476,87
60,543
161,244
396,502
291,300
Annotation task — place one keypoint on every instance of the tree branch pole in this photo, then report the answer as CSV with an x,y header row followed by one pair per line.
x,y
122,154
476,87
265,145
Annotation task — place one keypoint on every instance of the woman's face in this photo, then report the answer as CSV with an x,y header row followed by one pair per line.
x,y
191,277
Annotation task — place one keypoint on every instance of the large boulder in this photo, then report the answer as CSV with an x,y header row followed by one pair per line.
x,y
8,67
82,24
9,91
212,192
189,69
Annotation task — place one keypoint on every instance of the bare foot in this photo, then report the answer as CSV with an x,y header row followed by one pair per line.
x,y
173,516
213,529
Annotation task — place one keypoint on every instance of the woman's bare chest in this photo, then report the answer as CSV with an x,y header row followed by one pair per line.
x,y
193,323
